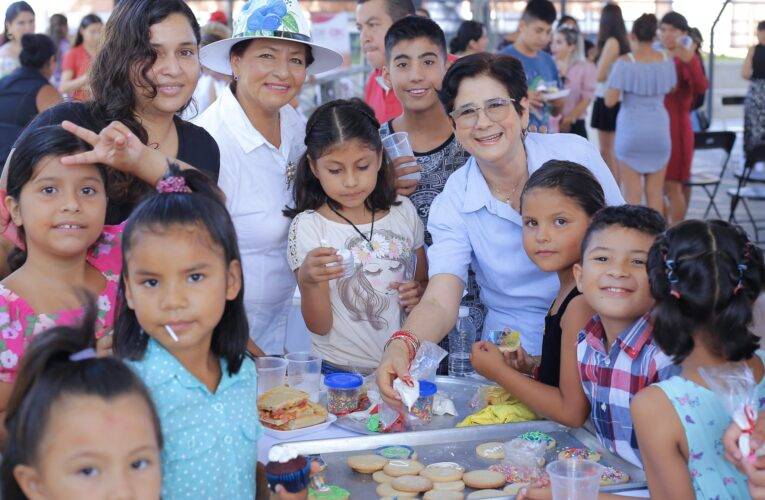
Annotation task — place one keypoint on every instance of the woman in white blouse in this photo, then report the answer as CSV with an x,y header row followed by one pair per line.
x,y
260,137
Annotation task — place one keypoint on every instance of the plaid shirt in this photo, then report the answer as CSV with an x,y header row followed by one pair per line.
x,y
611,378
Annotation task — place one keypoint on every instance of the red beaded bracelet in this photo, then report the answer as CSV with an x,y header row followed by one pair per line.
x,y
410,339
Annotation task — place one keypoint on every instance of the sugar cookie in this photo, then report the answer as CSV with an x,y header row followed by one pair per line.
x,y
381,477
450,486
366,464
537,436
486,494
613,476
583,453
331,493
443,472
481,479
493,450
443,495
416,484
396,468
386,490
395,452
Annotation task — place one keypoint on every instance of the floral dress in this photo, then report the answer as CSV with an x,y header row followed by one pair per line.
x,y
19,323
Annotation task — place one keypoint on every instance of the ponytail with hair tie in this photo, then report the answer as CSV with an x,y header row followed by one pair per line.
x,y
705,277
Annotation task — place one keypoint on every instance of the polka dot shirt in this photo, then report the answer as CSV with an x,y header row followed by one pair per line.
x,y
211,439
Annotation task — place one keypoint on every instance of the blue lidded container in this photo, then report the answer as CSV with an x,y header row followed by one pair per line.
x,y
423,407
343,391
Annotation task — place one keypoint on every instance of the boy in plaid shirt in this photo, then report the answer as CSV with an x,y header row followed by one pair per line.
x,y
616,353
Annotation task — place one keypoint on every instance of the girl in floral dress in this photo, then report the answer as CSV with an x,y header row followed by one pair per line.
x,y
345,205
54,211
705,276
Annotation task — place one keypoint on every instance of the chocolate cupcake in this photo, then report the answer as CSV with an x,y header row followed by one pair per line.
x,y
287,468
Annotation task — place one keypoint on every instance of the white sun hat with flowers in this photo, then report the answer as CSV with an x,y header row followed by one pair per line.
x,y
274,19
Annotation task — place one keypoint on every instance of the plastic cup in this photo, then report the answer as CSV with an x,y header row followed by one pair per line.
x,y
574,479
397,145
271,372
304,373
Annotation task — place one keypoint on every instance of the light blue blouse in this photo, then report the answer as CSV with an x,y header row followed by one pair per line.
x,y
211,439
470,227
704,420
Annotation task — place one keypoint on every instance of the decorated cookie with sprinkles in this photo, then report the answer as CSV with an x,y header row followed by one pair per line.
x,y
537,437
583,453
613,476
516,475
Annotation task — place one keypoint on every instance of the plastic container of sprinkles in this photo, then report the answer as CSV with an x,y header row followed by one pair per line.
x,y
423,407
343,391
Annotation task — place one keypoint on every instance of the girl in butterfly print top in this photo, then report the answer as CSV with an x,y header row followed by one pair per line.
x,y
344,200
683,454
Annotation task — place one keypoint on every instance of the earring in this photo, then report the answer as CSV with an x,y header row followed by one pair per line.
x,y
236,78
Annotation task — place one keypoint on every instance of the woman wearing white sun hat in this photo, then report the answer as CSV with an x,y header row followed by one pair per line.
x,y
261,137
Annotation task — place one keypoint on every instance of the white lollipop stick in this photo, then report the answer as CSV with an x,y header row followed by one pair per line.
x,y
171,333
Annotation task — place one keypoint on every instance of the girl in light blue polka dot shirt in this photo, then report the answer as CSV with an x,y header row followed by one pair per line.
x,y
183,329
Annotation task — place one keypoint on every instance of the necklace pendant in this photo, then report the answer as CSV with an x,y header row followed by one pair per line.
x,y
290,173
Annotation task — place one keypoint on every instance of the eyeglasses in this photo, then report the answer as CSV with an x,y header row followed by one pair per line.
x,y
495,110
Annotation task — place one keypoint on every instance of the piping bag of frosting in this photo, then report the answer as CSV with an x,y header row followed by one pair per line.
x,y
734,386
423,367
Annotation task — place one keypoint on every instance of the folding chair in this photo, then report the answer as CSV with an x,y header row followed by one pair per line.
x,y
710,181
744,192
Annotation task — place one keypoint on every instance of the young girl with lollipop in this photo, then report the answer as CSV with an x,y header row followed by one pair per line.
x,y
183,329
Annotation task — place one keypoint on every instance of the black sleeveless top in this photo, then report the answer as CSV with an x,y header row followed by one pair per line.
x,y
549,368
195,146
18,104
758,63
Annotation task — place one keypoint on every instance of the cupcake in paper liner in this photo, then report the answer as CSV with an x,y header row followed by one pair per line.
x,y
287,468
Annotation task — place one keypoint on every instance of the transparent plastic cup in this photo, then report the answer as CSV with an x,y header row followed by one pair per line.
x,y
271,372
304,373
574,479
398,145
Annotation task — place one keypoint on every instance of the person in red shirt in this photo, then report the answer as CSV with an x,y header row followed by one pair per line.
x,y
74,70
373,18
691,82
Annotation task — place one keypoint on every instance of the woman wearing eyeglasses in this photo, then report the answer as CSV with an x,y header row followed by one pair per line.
x,y
476,222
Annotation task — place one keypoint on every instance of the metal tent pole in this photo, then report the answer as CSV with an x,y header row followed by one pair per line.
x,y
711,72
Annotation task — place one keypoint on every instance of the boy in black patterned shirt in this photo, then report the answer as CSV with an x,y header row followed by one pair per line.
x,y
416,61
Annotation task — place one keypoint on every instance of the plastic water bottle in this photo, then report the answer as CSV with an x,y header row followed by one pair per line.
x,y
461,340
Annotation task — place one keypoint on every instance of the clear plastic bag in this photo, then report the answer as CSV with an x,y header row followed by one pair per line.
x,y
523,461
735,387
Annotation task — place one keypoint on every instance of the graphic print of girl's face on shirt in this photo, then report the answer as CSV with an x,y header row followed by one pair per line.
x,y
367,292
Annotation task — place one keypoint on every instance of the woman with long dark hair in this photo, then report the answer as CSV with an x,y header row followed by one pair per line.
x,y
691,82
143,76
19,20
612,43
74,76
